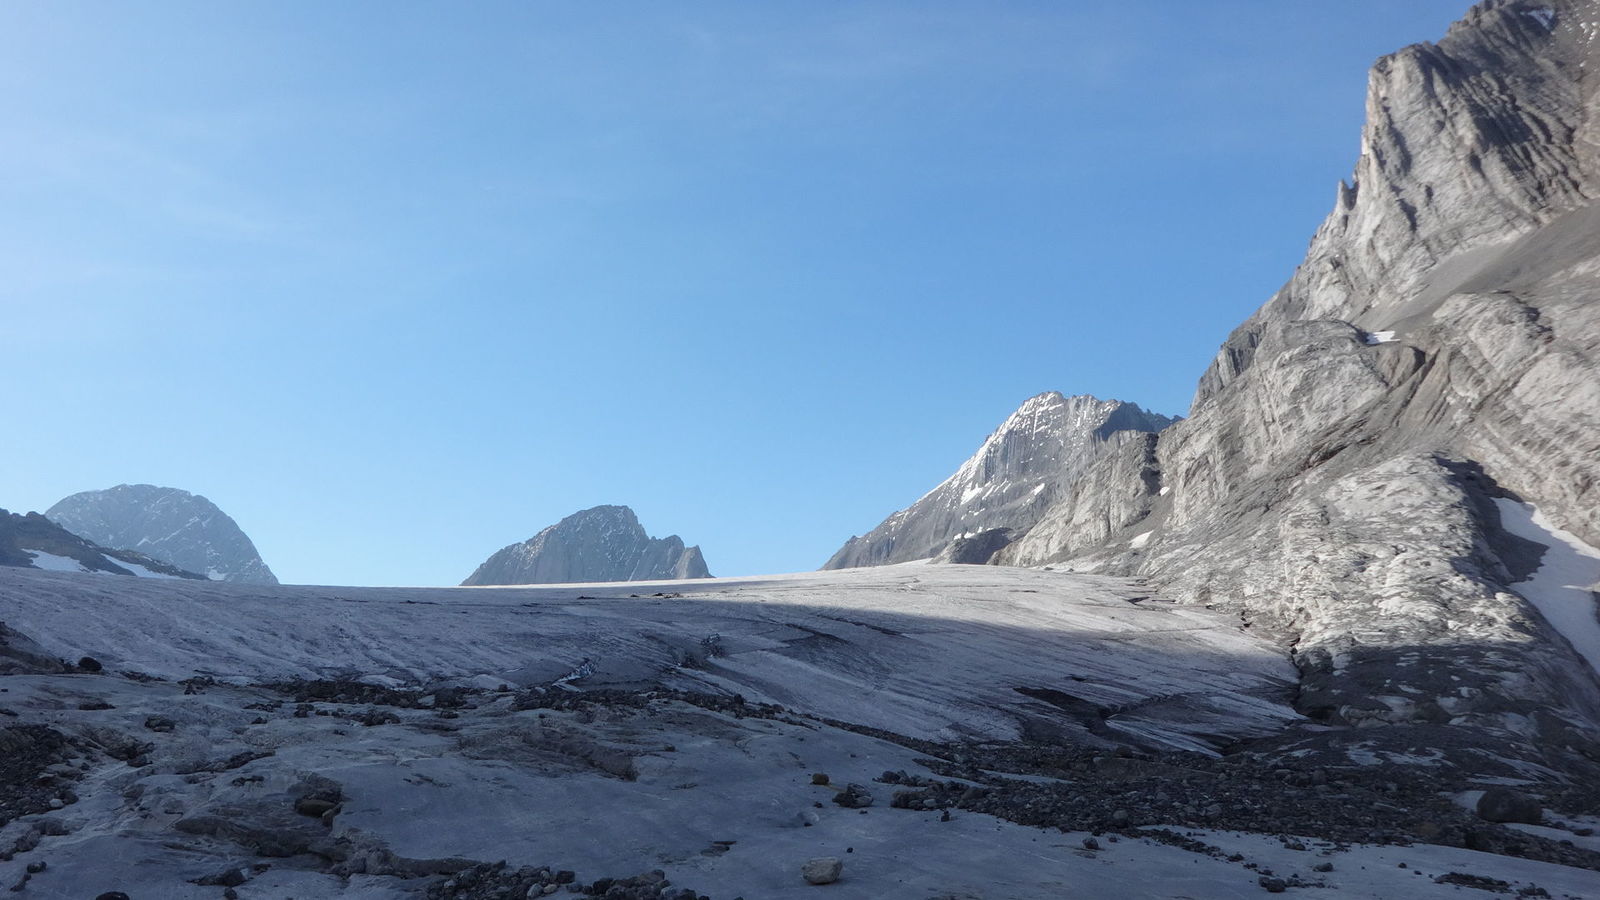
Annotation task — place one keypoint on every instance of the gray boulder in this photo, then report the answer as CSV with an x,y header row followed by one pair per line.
x,y
822,870
1500,804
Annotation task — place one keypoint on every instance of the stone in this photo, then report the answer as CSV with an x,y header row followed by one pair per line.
x,y
822,870
854,796
1273,885
1499,804
314,807
819,778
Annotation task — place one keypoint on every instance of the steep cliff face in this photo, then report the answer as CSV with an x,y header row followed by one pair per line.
x,y
1438,348
605,543
1029,463
174,526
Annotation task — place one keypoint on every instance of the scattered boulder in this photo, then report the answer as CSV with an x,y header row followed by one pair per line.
x,y
1273,885
160,724
233,876
1500,804
822,870
854,796
820,778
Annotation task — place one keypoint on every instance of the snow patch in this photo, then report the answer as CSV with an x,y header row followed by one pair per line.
x,y
1378,337
1139,540
1544,16
1563,586
53,563
137,569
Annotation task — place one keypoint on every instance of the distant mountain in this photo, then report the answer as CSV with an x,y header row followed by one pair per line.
x,y
605,543
174,526
1026,465
34,542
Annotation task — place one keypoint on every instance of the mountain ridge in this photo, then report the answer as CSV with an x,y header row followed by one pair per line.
x,y
602,543
183,529
1018,471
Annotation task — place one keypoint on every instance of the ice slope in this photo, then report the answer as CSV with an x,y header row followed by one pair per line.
x,y
926,651
1563,587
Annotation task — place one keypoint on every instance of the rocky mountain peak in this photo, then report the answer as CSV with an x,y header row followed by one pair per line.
x,y
168,524
1015,475
603,543
1432,366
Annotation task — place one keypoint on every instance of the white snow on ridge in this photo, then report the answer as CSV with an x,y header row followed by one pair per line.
x,y
1544,16
50,562
139,570
1563,586
1378,337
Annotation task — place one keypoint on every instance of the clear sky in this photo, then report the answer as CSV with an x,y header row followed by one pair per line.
x,y
396,284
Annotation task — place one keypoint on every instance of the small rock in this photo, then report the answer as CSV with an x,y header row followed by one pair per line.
x,y
819,778
36,867
90,664
1273,885
822,870
113,895
315,807
854,796
1090,843
160,723
228,878
1322,867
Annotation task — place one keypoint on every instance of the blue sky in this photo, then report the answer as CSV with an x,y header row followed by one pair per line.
x,y
397,284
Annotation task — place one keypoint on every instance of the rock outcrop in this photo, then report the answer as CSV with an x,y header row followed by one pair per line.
x,y
1437,350
177,527
605,543
33,541
1028,464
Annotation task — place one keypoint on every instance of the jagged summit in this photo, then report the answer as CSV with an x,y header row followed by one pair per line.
x,y
1018,472
172,525
603,543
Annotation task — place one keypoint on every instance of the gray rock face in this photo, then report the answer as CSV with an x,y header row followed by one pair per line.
x,y
605,543
177,527
1439,346
1028,464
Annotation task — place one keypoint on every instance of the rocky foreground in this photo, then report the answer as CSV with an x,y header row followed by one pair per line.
x,y
904,732
111,782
